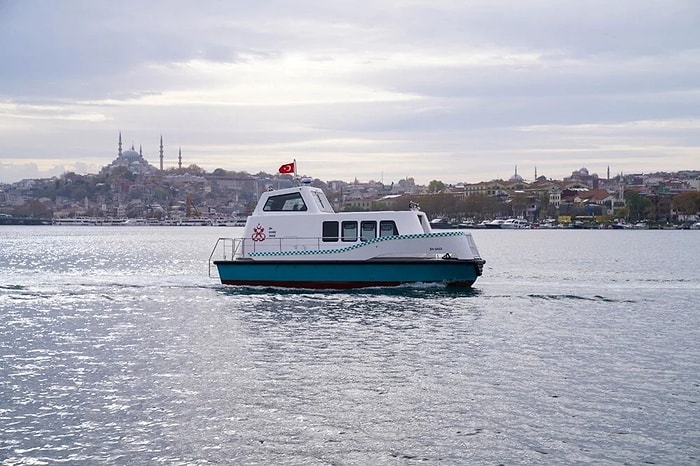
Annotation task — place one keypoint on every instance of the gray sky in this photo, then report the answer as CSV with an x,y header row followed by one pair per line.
x,y
459,90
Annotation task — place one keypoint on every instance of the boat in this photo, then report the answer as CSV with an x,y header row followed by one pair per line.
x,y
194,222
295,239
515,224
548,224
495,224
137,222
440,224
229,222
621,226
90,221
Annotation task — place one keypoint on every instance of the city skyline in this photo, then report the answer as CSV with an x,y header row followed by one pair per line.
x,y
158,160
453,91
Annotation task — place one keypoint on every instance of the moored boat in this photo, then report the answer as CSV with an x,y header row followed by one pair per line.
x,y
469,223
294,238
515,224
495,224
441,223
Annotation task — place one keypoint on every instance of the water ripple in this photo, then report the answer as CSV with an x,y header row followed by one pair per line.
x,y
142,359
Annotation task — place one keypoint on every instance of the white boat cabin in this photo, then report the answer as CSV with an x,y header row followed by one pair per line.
x,y
305,212
299,223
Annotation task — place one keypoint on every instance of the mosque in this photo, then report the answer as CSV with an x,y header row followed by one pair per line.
x,y
135,161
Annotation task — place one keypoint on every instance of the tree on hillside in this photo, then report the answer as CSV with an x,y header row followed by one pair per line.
x,y
437,205
637,205
687,203
479,206
436,186
622,212
195,170
660,208
122,173
34,209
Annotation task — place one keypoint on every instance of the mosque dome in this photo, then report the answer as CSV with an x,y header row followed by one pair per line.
x,y
131,155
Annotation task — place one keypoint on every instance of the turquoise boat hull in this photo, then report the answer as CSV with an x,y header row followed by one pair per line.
x,y
348,274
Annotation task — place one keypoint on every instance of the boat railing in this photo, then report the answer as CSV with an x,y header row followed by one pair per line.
x,y
309,243
225,249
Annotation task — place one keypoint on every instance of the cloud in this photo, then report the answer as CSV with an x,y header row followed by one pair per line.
x,y
12,172
454,90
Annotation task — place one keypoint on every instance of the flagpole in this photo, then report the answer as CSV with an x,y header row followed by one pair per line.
x,y
295,168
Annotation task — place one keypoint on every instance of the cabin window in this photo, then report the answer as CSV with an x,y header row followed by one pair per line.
x,y
388,228
349,231
322,202
284,203
330,231
368,230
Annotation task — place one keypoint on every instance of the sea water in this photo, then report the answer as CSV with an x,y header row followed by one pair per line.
x,y
574,347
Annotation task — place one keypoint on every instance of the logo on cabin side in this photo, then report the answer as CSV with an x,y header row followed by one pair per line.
x,y
258,233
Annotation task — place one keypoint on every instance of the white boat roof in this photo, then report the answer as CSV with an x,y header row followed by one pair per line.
x,y
307,199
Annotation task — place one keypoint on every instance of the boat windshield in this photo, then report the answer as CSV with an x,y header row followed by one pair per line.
x,y
285,203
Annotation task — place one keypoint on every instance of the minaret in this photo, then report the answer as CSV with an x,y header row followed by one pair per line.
x,y
535,172
161,152
140,150
179,157
608,172
119,152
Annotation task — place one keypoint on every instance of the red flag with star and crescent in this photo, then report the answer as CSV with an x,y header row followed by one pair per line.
x,y
287,168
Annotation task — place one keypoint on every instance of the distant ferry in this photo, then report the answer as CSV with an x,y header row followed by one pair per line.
x,y
194,222
141,221
229,222
86,221
294,238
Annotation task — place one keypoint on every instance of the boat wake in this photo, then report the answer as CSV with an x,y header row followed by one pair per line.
x,y
556,297
406,290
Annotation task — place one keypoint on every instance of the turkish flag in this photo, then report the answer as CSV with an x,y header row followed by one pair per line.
x,y
287,168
